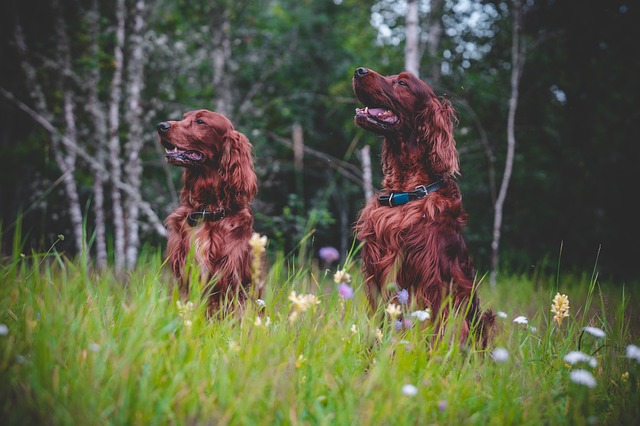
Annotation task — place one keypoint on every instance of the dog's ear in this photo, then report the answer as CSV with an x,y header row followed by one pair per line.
x,y
435,124
236,167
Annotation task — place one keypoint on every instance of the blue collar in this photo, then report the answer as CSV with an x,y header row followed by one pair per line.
x,y
400,198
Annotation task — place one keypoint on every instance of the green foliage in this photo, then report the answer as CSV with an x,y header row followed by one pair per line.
x,y
86,348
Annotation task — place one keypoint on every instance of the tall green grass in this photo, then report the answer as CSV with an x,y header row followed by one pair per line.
x,y
84,348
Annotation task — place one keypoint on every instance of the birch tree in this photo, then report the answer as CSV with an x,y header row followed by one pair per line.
x,y
518,57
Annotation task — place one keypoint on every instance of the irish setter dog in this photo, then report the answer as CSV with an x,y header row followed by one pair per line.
x,y
411,233
214,218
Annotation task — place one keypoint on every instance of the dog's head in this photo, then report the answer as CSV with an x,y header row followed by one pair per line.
x,y
195,140
205,140
403,107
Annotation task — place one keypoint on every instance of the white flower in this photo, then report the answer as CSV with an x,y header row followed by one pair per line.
x,y
575,357
261,303
502,314
521,320
393,310
583,377
354,329
4,330
633,352
409,390
421,315
341,277
500,355
595,332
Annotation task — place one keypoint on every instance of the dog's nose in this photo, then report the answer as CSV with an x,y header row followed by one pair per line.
x,y
164,127
360,71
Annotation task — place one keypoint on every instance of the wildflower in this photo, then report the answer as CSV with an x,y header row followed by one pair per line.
x,y
234,346
301,360
575,357
301,303
407,323
409,390
442,405
258,243
4,330
583,377
61,237
560,307
393,310
595,332
329,254
398,325
379,335
258,322
502,314
184,309
625,376
403,296
421,315
521,320
341,277
261,303
345,290
354,329
258,247
500,355
94,347
188,323
633,352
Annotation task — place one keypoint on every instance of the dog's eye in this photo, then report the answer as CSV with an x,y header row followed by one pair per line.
x,y
402,83
198,121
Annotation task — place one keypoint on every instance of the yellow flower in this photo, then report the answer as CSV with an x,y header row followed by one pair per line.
x,y
560,307
379,335
301,359
258,243
393,310
301,303
341,277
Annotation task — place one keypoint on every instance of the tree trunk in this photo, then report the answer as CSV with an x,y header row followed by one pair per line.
x,y
518,56
134,121
412,39
114,138
367,181
99,126
434,35
221,57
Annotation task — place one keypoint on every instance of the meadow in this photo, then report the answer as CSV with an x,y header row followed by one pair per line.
x,y
84,348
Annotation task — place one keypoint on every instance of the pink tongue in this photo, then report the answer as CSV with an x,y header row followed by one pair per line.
x,y
376,111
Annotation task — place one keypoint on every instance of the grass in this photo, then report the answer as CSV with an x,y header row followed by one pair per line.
x,y
92,349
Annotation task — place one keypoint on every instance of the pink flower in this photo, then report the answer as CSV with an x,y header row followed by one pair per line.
x,y
345,290
329,254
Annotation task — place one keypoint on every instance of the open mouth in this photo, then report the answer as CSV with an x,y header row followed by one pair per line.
x,y
180,157
381,115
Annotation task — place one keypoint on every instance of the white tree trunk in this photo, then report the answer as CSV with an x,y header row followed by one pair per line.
x,y
367,181
518,55
135,124
412,39
115,164
97,113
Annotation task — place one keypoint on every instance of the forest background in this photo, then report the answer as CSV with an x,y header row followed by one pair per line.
x,y
83,84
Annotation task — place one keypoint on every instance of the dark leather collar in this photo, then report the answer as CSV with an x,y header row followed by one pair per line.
x,y
196,217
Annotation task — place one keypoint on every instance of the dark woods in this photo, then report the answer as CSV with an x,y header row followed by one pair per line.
x,y
83,84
